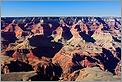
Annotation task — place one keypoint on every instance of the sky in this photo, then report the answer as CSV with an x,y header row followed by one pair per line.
x,y
60,8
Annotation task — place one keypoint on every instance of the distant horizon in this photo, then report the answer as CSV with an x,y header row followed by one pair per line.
x,y
56,16
60,8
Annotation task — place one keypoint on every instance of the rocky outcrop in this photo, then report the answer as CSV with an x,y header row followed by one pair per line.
x,y
18,76
65,61
94,74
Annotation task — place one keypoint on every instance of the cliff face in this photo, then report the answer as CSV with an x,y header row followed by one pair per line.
x,y
64,61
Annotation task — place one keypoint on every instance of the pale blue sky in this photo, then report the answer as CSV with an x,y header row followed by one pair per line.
x,y
61,8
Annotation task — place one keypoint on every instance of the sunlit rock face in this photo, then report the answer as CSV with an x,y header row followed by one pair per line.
x,y
94,74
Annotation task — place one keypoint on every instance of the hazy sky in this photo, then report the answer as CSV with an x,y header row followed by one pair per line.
x,y
61,8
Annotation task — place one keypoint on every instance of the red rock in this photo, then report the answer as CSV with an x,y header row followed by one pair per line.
x,y
65,61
